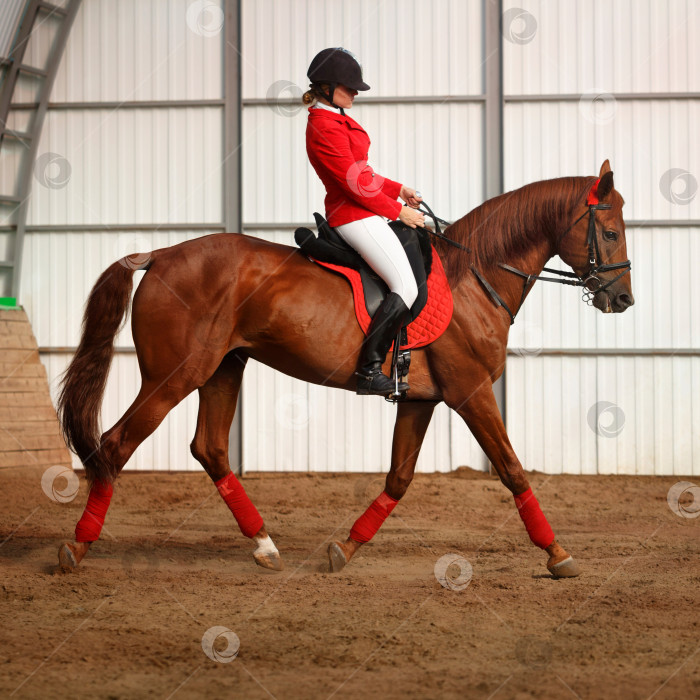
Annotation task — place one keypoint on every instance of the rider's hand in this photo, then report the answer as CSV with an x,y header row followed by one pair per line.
x,y
410,196
411,217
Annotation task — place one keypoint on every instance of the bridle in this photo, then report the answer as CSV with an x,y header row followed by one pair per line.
x,y
587,280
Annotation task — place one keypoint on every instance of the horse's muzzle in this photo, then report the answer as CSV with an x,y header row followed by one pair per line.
x,y
621,302
616,303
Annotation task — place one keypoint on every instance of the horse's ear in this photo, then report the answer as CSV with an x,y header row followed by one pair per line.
x,y
605,168
605,186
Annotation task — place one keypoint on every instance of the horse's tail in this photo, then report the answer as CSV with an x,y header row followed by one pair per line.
x,y
83,383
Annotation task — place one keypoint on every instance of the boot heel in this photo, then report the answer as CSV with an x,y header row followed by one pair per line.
x,y
377,384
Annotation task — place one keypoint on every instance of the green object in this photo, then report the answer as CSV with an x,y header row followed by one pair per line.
x,y
8,302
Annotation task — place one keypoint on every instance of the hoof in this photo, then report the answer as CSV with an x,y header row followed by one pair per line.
x,y
336,557
70,555
568,568
269,560
66,557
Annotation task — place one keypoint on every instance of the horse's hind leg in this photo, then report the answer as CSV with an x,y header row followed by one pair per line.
x,y
481,414
217,405
412,420
154,401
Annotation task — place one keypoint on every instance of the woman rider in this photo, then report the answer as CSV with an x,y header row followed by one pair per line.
x,y
358,202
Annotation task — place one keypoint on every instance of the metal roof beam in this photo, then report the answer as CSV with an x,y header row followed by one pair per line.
x,y
53,9
48,76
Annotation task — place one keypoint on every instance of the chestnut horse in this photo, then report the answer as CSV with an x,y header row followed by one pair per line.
x,y
207,305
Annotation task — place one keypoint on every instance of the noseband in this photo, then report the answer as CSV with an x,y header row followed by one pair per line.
x,y
595,264
589,280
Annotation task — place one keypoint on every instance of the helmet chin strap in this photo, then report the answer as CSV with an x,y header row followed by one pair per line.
x,y
329,96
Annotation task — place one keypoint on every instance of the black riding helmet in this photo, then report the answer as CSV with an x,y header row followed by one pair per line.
x,y
336,66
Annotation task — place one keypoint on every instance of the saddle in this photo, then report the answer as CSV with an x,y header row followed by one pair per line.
x,y
329,247
431,312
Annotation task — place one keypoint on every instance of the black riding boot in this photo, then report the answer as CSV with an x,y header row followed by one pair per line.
x,y
382,331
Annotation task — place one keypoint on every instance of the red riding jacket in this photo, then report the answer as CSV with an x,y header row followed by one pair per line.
x,y
338,147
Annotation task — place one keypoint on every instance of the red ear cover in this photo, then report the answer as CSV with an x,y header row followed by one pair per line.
x,y
593,194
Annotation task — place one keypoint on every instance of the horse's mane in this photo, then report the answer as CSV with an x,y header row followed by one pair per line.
x,y
508,225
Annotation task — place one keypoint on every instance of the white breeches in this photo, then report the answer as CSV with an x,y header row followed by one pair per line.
x,y
378,245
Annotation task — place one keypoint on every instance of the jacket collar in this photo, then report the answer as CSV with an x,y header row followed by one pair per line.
x,y
334,115
320,105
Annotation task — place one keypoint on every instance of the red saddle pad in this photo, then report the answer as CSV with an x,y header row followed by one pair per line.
x,y
432,320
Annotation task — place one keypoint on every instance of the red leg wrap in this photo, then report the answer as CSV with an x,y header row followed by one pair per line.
x,y
246,514
536,524
90,525
366,526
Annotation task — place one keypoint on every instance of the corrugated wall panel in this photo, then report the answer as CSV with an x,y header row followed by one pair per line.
x,y
289,425
168,448
663,268
122,166
613,415
10,162
642,139
163,166
436,147
129,166
132,166
464,449
407,47
654,393
621,414
441,151
11,13
624,46
127,50
64,267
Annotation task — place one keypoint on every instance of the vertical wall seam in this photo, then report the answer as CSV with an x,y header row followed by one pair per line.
x,y
232,160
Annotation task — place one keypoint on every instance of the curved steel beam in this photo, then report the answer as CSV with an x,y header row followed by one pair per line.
x,y
33,134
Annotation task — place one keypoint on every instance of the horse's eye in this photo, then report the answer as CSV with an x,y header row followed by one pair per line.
x,y
610,235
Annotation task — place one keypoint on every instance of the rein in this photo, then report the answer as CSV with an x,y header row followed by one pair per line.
x,y
437,232
590,277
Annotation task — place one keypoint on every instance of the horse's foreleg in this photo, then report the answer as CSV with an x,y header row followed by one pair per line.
x,y
412,420
217,405
481,414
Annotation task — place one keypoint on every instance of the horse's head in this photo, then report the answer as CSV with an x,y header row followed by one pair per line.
x,y
596,249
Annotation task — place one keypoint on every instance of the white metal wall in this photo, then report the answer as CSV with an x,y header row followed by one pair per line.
x,y
407,49
125,166
629,405
10,17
